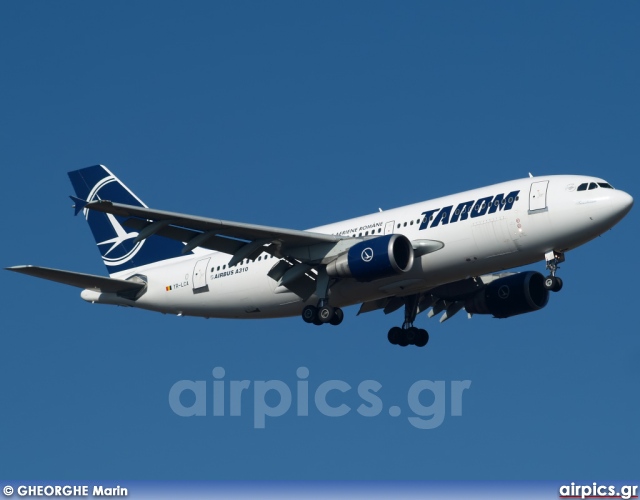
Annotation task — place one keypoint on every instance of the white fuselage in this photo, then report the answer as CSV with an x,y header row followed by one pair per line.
x,y
548,214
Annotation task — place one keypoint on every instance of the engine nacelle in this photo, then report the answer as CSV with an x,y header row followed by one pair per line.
x,y
505,297
374,259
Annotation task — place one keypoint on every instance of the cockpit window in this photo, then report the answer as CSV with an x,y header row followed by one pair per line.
x,y
593,185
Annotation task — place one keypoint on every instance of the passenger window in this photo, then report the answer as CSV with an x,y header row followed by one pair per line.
x,y
593,185
411,223
398,226
405,224
582,187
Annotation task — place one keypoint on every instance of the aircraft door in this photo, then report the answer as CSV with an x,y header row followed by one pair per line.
x,y
388,227
200,276
538,196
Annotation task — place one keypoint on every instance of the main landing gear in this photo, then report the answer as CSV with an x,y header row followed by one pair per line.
x,y
409,334
553,282
323,312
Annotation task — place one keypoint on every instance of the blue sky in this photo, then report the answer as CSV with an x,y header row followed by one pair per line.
x,y
297,114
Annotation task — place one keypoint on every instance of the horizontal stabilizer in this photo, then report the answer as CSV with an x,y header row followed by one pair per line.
x,y
81,280
79,204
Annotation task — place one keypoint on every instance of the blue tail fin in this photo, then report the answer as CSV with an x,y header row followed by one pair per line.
x,y
116,243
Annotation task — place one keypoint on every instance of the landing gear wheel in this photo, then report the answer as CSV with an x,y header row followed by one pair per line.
x,y
558,285
408,335
394,335
309,314
325,313
412,334
550,282
403,338
337,317
421,338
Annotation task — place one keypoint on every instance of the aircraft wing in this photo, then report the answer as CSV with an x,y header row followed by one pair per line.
x,y
81,280
448,298
242,240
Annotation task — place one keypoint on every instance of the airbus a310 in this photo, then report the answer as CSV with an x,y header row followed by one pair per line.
x,y
442,255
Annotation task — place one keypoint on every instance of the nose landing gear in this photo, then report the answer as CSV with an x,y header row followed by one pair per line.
x,y
553,282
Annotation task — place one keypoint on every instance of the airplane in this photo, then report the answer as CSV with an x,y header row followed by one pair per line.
x,y
442,255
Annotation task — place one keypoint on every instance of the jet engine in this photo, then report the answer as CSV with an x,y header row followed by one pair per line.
x,y
374,259
505,297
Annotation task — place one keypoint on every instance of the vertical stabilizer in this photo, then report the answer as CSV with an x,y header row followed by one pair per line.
x,y
117,244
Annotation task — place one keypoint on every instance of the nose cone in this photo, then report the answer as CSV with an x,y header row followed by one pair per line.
x,y
622,203
614,211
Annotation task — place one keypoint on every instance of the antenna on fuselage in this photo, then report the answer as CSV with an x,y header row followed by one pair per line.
x,y
530,175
